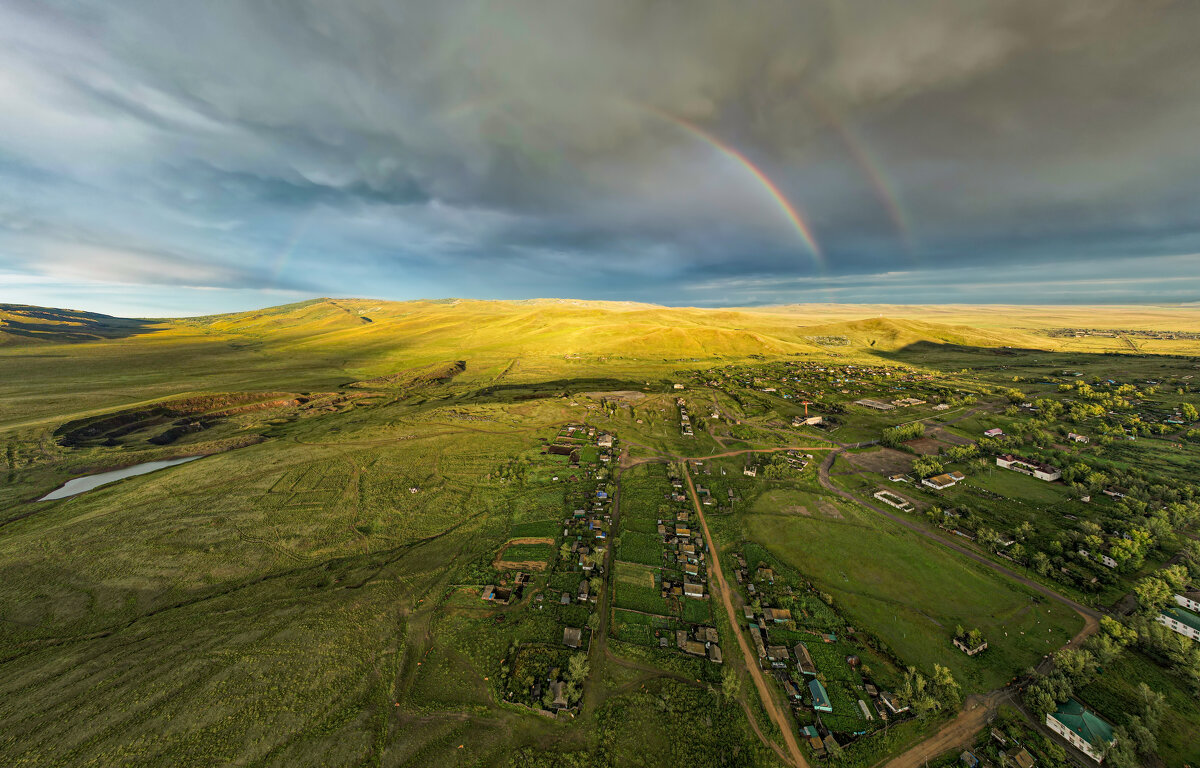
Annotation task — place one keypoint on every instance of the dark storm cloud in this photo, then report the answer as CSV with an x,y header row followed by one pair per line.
x,y
396,148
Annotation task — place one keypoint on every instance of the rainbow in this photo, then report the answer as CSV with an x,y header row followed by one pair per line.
x,y
871,168
286,252
793,216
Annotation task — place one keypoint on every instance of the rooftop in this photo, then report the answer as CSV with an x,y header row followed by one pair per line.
x,y
1083,721
1183,616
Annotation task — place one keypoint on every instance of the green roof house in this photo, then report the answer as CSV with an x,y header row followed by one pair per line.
x,y
1180,620
820,698
1082,727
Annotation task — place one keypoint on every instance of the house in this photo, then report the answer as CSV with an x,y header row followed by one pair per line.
x,y
692,589
605,441
750,471
572,637
892,703
969,760
817,747
810,732
558,689
939,482
804,659
583,590
993,432
777,615
1180,620
777,653
791,690
1029,467
714,653
1077,438
694,647
1189,600
819,697
1083,728
1020,757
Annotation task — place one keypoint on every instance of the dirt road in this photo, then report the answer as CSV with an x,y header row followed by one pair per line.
x,y
717,580
959,732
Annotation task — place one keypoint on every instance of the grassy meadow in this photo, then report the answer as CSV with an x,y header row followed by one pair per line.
x,y
308,593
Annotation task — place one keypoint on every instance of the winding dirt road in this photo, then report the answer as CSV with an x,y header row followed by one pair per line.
x,y
717,579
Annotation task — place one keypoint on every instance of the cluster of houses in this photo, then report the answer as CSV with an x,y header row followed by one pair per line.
x,y
506,592
805,380
685,420
684,548
793,667
588,531
575,436
1013,754
701,641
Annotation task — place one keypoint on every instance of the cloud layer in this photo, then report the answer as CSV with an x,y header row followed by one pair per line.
x,y
519,149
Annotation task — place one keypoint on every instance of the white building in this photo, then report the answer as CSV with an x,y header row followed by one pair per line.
x,y
1189,600
1029,467
1082,727
1181,620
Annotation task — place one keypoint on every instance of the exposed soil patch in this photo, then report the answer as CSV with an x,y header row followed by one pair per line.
x,y
927,446
885,461
946,436
164,423
437,373
829,510
796,510
522,565
623,395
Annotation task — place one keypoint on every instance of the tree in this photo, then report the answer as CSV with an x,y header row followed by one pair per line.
x,y
1152,594
578,668
1041,563
927,466
1176,577
731,683
1189,412
835,750
1123,752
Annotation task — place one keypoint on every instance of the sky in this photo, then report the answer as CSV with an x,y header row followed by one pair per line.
x,y
162,159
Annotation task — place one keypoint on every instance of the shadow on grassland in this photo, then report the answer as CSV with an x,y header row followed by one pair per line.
x,y
21,322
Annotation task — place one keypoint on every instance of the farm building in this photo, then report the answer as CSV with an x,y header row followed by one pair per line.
x,y
1029,467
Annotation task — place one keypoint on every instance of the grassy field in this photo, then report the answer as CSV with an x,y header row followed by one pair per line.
x,y
308,593
912,594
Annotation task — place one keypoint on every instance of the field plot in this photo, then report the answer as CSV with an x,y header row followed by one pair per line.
x,y
912,594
